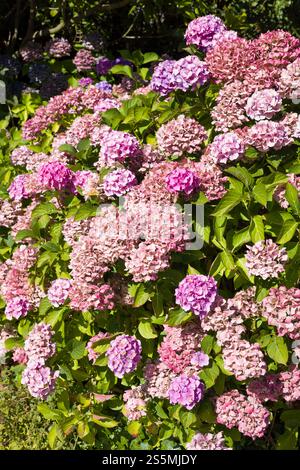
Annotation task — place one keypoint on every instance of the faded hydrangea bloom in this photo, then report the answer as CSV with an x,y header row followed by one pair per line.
x,y
265,259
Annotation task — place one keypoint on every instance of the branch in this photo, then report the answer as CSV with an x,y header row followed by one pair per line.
x,y
29,32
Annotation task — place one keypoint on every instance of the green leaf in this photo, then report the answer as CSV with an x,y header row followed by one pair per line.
x,y
141,296
47,412
150,57
78,349
242,174
157,304
291,418
147,330
288,440
44,208
228,202
257,229
277,350
260,194
54,317
241,238
68,149
207,344
209,375
177,316
22,234
227,260
122,70
292,196
44,306
206,411
287,232
12,343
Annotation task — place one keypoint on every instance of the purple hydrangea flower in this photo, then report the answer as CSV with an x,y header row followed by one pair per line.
x,y
186,391
56,175
189,72
119,182
162,79
104,86
59,291
200,359
17,307
182,180
227,147
86,81
124,354
201,31
196,293
104,65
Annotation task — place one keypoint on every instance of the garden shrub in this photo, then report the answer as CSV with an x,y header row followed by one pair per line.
x,y
150,246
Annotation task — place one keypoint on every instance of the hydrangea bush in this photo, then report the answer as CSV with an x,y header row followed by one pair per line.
x,y
150,246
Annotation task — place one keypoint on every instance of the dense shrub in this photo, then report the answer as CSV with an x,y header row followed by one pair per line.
x,y
131,331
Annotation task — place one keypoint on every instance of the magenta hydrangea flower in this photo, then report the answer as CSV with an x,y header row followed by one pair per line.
x,y
59,291
186,390
263,104
40,380
124,354
226,148
119,182
162,78
265,259
207,441
196,293
189,72
56,175
17,190
117,146
182,180
201,31
17,307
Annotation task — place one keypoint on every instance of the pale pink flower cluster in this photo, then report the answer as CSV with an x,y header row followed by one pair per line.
x,y
243,359
147,260
266,135
265,259
84,60
119,182
263,104
38,345
135,403
289,83
226,148
179,346
207,441
40,380
118,146
59,291
246,413
85,296
179,136
281,308
158,378
20,356
290,381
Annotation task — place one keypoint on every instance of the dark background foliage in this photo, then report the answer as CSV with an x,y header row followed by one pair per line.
x,y
145,24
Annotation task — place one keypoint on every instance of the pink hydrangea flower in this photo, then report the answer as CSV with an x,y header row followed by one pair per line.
x,y
244,360
281,308
20,356
266,135
124,354
92,354
59,291
119,182
117,146
17,307
265,259
263,104
40,380
226,148
207,441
